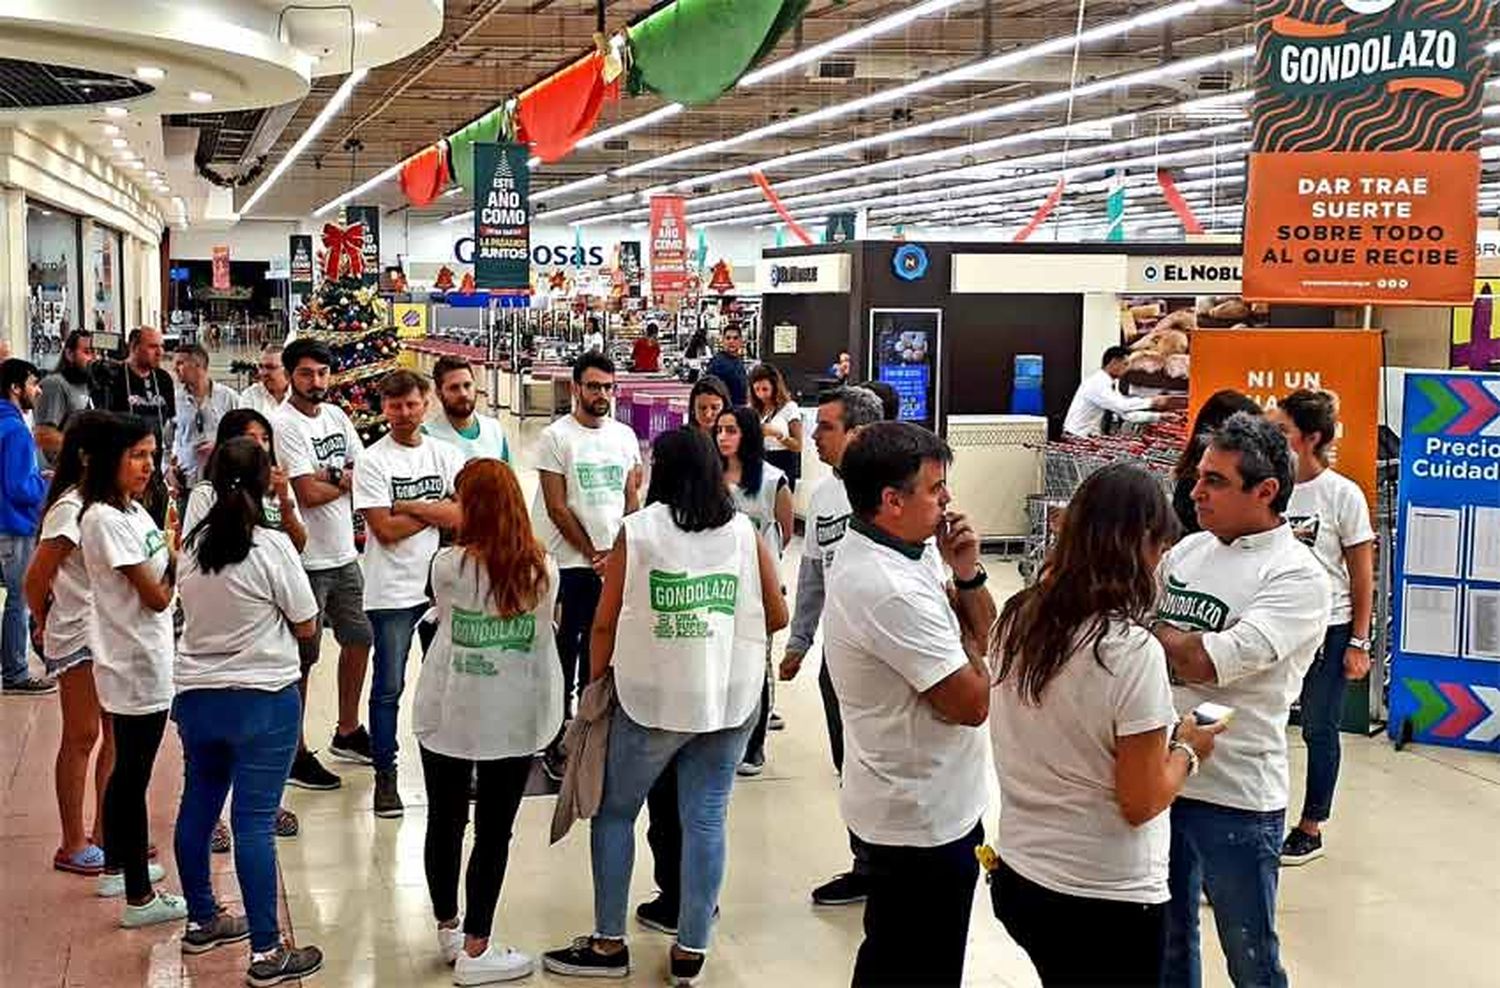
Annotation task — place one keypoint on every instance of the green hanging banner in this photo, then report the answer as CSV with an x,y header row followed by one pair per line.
x,y
1115,209
502,216
486,130
693,50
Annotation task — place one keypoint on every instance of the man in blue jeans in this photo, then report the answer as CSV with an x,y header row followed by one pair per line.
x,y
22,493
404,488
1242,612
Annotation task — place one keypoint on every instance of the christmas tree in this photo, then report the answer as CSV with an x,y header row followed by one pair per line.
x,y
349,316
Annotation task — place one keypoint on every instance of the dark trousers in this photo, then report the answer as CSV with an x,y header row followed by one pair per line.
x,y
755,748
917,913
502,783
664,835
577,598
137,739
1125,939
832,716
1322,709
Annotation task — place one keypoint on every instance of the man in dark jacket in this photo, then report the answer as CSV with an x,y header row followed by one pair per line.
x,y
140,387
23,490
728,365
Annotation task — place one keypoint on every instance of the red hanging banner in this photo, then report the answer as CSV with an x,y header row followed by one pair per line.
x,y
221,269
1044,211
559,111
425,174
781,210
669,268
1190,224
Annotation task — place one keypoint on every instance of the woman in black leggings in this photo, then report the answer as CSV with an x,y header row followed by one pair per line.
x,y
131,571
489,696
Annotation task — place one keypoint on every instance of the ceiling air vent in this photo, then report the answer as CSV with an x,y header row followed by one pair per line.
x,y
31,85
836,68
1221,81
617,144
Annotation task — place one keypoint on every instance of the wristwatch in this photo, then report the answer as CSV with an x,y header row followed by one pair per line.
x,y
1186,749
1363,644
978,580
335,475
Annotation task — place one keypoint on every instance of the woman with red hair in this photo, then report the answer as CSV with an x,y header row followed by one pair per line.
x,y
490,695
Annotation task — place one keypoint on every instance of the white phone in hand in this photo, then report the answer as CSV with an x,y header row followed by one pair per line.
x,y
1212,713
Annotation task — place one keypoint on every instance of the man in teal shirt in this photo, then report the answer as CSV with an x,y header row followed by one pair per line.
x,y
476,436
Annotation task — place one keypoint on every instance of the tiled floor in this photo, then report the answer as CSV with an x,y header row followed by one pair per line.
x,y
1406,896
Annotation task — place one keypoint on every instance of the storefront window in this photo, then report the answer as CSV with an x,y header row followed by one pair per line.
x,y
52,278
104,254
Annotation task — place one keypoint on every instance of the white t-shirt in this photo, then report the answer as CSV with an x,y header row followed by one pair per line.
x,y
305,445
1060,820
829,510
1270,583
70,620
396,574
489,443
760,507
257,398
889,634
1329,514
1098,395
133,646
237,634
202,497
782,418
595,465
490,686
690,649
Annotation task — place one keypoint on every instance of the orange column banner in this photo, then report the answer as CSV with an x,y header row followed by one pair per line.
x,y
1364,163
1269,364
669,266
221,269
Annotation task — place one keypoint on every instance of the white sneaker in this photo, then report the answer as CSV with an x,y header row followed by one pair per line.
x,y
492,966
450,942
111,884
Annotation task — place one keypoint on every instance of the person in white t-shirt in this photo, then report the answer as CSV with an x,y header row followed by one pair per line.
x,y
1329,514
62,604
272,383
404,489
238,710
905,645
842,412
318,447
1099,396
1243,609
489,698
473,434
690,595
1080,717
780,420
589,466
131,572
761,493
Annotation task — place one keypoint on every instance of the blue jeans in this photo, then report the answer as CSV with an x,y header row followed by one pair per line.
x,y
15,555
393,628
1322,710
245,738
705,775
1235,855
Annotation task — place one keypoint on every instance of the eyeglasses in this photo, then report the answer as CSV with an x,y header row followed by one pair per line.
x,y
599,387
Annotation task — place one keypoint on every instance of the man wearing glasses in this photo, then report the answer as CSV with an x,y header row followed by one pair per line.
x,y
590,470
271,384
198,417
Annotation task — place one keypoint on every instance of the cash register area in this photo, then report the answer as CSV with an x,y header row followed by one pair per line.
x,y
1405,896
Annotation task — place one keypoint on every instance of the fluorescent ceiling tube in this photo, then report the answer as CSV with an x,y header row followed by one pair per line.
x,y
329,111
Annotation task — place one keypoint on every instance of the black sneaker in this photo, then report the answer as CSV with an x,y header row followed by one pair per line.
x,y
581,960
658,914
352,747
775,723
309,773
284,964
387,800
30,686
1300,847
685,969
223,929
845,890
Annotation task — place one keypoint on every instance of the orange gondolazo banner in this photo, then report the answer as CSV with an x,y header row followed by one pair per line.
x,y
557,113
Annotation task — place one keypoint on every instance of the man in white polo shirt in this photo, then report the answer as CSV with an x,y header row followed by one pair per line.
x,y
905,647
1243,609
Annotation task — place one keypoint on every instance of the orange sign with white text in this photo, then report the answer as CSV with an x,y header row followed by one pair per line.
x,y
1269,364
1339,228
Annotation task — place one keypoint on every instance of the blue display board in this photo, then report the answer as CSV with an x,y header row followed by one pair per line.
x,y
904,348
1445,647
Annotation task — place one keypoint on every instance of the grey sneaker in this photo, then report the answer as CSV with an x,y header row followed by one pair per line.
x,y
223,929
30,686
283,964
387,799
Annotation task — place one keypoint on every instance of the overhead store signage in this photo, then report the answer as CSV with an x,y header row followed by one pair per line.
x,y
1364,171
669,257
840,228
1445,651
1191,275
807,275
300,254
502,217
221,269
630,267
369,217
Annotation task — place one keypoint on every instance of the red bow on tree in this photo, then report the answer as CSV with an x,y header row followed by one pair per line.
x,y
344,243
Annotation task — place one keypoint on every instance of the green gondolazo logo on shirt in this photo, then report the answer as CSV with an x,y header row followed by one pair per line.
x,y
601,476
156,541
680,602
429,488
1191,608
330,447
475,629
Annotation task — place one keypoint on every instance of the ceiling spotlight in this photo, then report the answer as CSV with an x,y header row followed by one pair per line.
x,y
367,27
110,130
116,111
199,96
119,142
150,73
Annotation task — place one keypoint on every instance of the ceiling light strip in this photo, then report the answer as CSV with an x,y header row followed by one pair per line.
x,y
848,39
330,109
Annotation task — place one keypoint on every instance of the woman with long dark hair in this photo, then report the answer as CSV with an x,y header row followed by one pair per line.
x,y
690,595
1328,513
489,699
61,603
1214,413
247,600
780,420
706,400
131,573
1080,717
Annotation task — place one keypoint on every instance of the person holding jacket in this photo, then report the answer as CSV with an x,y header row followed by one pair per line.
x,y
23,490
